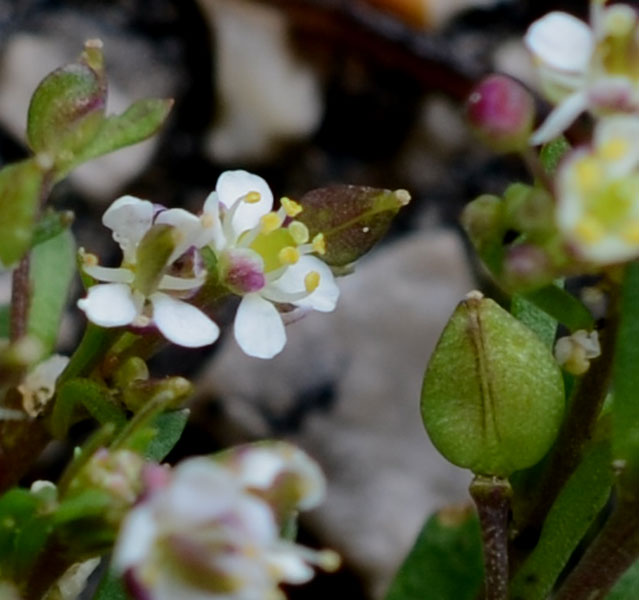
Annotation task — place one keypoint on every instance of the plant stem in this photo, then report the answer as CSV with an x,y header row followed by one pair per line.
x,y
492,498
20,299
614,550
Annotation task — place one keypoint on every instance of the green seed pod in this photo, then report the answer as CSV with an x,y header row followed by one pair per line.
x,y
493,395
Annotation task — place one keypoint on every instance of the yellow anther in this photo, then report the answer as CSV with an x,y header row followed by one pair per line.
x,y
630,233
252,197
299,232
311,281
319,244
270,222
291,207
88,259
288,255
589,230
614,148
588,174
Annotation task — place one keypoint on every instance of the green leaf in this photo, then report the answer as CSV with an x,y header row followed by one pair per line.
x,y
552,152
139,122
446,561
351,218
534,318
562,306
52,270
20,186
580,501
51,224
90,394
87,504
626,588
110,588
625,407
169,427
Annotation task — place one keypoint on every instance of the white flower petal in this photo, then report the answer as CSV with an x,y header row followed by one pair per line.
x,y
136,539
616,140
182,323
560,118
212,231
129,218
119,275
232,186
323,299
290,566
561,42
110,304
258,327
169,282
188,227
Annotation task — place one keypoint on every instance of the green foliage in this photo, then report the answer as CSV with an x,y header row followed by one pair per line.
x,y
445,562
52,270
110,588
351,218
627,586
574,511
168,428
552,152
20,189
625,407
493,395
562,306
537,320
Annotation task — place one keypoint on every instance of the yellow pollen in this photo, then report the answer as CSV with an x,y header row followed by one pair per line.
x,y
207,220
288,255
299,232
252,197
588,174
270,222
90,260
588,230
311,281
291,208
319,244
631,233
614,149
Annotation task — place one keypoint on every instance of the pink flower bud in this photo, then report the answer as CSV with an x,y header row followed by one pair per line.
x,y
501,111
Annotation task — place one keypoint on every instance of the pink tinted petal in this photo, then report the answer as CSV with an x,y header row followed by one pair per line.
x,y
109,305
258,327
560,118
232,186
182,323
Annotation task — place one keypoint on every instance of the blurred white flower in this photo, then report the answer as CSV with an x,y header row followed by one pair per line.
x,y
123,299
574,352
205,535
265,257
598,194
38,386
585,67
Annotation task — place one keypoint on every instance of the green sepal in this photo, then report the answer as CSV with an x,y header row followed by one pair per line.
x,y
153,254
351,218
111,588
168,428
445,562
627,586
51,273
20,189
581,499
140,121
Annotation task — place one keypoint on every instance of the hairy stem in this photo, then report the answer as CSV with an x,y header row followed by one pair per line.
x,y
492,498
20,299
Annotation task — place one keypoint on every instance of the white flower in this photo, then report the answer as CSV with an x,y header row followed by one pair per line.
x,y
38,386
265,257
574,352
598,194
206,536
121,302
585,67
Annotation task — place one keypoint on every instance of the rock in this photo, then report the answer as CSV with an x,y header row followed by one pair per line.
x,y
384,475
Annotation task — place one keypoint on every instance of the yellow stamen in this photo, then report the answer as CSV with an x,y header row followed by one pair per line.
x,y
311,281
614,148
288,255
588,173
252,197
589,230
270,222
319,244
299,232
291,207
631,233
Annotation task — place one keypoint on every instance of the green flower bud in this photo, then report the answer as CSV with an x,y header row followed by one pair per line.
x,y
483,220
351,218
493,396
529,210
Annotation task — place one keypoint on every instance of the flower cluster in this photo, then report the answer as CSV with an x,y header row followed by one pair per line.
x,y
211,528
263,255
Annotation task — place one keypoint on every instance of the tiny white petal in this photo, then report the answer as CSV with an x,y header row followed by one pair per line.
x,y
129,218
118,275
188,228
258,327
136,538
182,323
232,186
169,282
109,304
561,41
290,566
560,118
